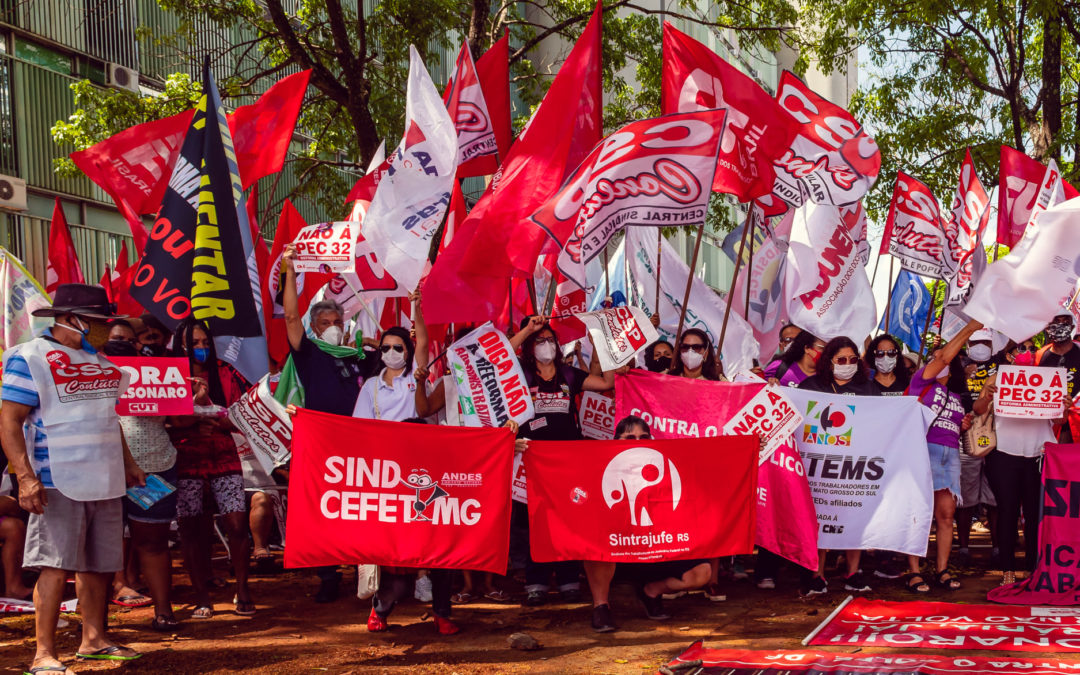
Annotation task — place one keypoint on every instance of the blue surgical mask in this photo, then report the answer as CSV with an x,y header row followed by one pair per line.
x,y
201,354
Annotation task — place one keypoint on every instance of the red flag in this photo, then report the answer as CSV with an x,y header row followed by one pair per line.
x,y
464,99
562,131
106,282
1018,192
969,215
113,276
493,71
63,264
915,231
570,299
387,499
454,216
261,131
757,131
641,501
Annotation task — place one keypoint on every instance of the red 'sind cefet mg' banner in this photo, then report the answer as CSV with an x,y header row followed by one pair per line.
x,y
393,493
158,386
642,500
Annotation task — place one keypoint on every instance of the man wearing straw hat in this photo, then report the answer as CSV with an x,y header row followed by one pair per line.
x,y
62,437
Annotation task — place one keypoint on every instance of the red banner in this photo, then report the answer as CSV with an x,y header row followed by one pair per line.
x,y
262,130
157,386
641,501
63,264
391,493
1018,192
946,625
1054,581
915,231
493,71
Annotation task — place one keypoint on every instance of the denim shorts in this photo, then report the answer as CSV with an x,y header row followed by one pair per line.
x,y
945,467
161,511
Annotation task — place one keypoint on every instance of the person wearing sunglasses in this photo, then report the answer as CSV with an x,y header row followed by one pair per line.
x,y
891,376
787,336
1060,351
798,362
695,357
391,395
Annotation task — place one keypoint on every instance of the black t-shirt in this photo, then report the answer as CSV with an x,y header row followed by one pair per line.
x,y
1070,361
977,375
897,388
852,388
331,385
556,403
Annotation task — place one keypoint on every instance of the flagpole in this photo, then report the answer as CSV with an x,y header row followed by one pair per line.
x,y
749,270
734,277
659,255
607,277
873,277
689,281
929,316
888,302
363,303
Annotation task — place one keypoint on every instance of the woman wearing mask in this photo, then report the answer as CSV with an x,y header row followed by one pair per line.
x,y
150,335
891,376
206,455
798,362
787,336
658,356
696,358
556,390
390,395
939,385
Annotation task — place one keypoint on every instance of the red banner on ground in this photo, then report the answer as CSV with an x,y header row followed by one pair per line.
x,y
641,501
392,493
749,662
1054,581
945,625
158,386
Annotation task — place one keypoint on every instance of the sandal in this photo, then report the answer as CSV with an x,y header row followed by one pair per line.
x,y
1008,578
164,623
110,653
203,612
498,596
243,607
462,598
133,601
948,584
37,670
917,585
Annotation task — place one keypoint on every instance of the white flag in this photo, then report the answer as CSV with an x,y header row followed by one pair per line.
x,y
825,279
619,334
1019,294
1051,191
21,295
465,102
705,310
411,199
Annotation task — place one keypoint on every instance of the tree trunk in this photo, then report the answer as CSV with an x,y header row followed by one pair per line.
x,y
1048,144
477,21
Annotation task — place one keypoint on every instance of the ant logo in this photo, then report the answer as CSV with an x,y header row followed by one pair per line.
x,y
420,482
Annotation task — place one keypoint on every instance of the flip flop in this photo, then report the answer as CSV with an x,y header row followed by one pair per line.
x,y
244,608
37,670
203,612
134,601
109,653
164,623
498,596
462,598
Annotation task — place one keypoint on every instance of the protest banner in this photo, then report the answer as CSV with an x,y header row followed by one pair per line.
x,y
915,230
1055,580
944,625
1031,392
769,415
868,468
21,294
265,423
676,407
517,489
619,334
786,662
157,386
596,415
16,606
490,383
398,494
326,247
641,500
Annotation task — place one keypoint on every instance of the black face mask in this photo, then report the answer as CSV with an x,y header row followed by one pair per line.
x,y
152,349
661,364
119,348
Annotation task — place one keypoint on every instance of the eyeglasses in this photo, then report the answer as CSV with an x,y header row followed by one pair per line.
x,y
1025,348
545,341
632,437
845,360
785,341
699,348
885,352
385,349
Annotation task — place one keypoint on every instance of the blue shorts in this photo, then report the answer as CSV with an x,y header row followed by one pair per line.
x,y
945,467
162,511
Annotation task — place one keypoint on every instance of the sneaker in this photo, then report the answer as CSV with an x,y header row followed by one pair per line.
x,y
889,570
714,593
673,596
739,571
570,596
601,619
375,623
329,590
766,584
856,583
423,589
979,528
654,607
535,598
816,586
445,626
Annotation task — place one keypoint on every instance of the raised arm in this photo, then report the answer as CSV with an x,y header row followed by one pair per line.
x,y
535,324
597,379
950,351
294,326
420,327
986,396
428,404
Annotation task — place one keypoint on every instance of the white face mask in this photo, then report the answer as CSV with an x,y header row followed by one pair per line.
x,y
544,353
979,352
885,364
846,371
692,360
394,359
332,335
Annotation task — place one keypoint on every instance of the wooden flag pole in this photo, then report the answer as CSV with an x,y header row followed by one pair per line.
x,y
929,318
888,302
749,271
607,277
873,277
734,277
689,281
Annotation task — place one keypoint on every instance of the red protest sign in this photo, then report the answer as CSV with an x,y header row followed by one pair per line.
x,y
1033,392
158,386
392,493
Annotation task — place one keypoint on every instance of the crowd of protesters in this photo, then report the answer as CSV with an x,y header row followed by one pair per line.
x,y
70,460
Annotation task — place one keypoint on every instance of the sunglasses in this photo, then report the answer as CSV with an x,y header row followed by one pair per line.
x,y
699,348
385,349
1025,348
632,437
845,360
785,341
886,352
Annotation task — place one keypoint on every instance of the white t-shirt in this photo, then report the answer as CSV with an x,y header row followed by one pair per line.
x,y
1023,438
394,402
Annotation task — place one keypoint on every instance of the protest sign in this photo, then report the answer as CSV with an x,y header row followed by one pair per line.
x,y
1054,581
868,469
596,415
265,423
676,407
518,491
945,625
619,334
398,494
16,606
1033,392
769,415
490,383
641,500
788,662
158,386
326,247
21,294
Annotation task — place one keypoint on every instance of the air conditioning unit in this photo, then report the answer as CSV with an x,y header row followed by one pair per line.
x,y
123,78
12,193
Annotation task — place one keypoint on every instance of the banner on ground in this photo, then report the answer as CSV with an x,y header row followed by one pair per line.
x,y
326,247
946,625
868,468
1034,392
596,415
786,662
490,383
642,500
619,334
1055,580
770,416
21,295
675,407
158,386
388,493
914,231
266,425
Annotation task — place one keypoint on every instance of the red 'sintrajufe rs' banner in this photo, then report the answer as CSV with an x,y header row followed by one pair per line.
x,y
158,386
641,501
391,493
946,625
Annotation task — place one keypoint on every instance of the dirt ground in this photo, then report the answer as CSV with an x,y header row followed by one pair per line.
x,y
292,634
